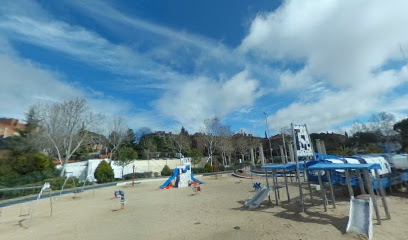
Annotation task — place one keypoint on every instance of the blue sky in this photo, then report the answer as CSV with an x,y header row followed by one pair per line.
x,y
167,64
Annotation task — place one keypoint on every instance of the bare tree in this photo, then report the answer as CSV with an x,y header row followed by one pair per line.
x,y
358,126
241,145
253,143
225,145
382,124
211,132
286,130
66,125
147,145
139,134
117,134
181,142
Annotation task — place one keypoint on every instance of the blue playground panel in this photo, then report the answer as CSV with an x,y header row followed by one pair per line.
x,y
257,186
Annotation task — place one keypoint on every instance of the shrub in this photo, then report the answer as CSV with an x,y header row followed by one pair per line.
x,y
208,168
57,182
143,175
148,174
198,170
221,168
104,173
166,171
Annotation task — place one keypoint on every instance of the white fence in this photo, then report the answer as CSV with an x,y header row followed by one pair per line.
x,y
86,169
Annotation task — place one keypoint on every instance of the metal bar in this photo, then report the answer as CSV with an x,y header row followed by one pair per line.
x,y
297,170
331,189
382,192
21,188
322,190
286,184
275,189
311,193
372,196
277,183
267,184
284,148
360,182
304,170
350,189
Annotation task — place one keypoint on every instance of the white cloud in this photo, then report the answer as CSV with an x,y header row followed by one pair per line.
x,y
335,108
343,46
41,29
342,40
109,16
202,98
73,41
24,83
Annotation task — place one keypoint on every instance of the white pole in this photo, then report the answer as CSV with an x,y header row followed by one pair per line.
x,y
284,148
297,168
267,135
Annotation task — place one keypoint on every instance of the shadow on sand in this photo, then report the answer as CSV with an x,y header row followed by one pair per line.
x,y
293,212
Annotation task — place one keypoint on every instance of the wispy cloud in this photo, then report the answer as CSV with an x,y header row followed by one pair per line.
x,y
203,98
161,69
342,48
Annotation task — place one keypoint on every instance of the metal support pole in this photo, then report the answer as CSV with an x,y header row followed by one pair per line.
x,y
277,183
297,170
275,188
372,196
267,185
360,182
284,148
286,184
269,140
382,192
322,190
331,189
350,189
311,193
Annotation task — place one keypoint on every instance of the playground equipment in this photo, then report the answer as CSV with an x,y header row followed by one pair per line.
x,y
118,193
258,198
65,182
359,210
182,175
257,186
121,194
45,187
196,187
361,219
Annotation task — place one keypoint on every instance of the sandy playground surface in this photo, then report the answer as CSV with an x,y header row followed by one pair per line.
x,y
218,212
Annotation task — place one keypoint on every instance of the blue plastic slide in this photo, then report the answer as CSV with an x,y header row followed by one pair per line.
x,y
166,183
176,173
195,179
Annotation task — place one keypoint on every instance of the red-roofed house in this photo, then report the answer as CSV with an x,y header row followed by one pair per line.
x,y
10,127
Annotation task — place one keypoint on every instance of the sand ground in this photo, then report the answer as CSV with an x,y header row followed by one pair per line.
x,y
218,212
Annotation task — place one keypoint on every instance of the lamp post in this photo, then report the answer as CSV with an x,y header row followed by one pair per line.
x,y
267,135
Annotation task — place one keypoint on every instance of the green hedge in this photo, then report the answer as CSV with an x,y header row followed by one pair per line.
x,y
104,173
209,169
56,183
166,171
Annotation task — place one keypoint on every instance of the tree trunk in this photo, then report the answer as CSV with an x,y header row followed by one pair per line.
x,y
252,157
62,173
